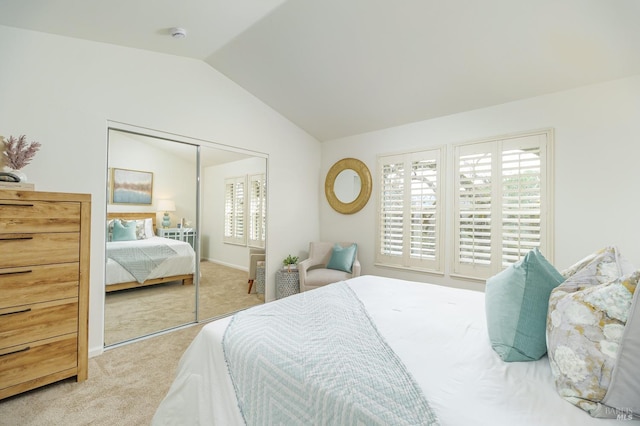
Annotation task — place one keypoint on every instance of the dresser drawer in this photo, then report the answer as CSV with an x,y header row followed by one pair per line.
x,y
20,364
38,216
28,323
35,284
38,249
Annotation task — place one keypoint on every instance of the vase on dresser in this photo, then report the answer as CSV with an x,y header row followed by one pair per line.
x,y
18,173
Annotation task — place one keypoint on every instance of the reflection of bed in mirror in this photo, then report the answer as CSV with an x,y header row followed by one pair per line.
x,y
177,265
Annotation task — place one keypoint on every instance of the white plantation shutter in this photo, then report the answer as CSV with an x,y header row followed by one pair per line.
x,y
474,212
409,210
521,202
234,202
391,216
502,206
257,210
423,232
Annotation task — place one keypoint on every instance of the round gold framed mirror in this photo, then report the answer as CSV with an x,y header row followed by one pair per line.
x,y
348,186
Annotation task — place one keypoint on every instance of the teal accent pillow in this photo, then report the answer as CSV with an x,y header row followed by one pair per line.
x,y
124,231
516,303
342,258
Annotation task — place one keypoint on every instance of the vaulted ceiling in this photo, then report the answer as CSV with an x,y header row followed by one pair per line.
x,y
343,67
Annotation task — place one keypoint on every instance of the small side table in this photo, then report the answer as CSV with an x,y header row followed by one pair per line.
x,y
188,235
287,283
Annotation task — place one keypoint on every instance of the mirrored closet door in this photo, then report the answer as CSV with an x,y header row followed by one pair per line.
x,y
151,236
233,200
209,202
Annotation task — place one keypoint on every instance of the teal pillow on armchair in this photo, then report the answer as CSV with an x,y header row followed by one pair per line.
x,y
516,303
342,258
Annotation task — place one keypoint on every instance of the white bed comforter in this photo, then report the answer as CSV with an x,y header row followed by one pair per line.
x,y
184,262
438,332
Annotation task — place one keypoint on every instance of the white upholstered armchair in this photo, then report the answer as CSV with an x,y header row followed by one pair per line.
x,y
314,272
255,255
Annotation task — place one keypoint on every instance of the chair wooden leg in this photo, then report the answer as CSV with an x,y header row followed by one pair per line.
x,y
250,285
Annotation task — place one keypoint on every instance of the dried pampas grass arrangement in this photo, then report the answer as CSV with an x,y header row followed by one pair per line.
x,y
17,152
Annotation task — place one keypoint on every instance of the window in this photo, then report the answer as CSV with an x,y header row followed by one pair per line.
x,y
234,202
502,202
502,192
409,210
257,210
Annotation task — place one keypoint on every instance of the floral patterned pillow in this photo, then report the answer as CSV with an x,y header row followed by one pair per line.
x,y
141,230
593,336
602,265
110,223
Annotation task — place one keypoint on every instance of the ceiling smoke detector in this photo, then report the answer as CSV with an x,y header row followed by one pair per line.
x,y
178,32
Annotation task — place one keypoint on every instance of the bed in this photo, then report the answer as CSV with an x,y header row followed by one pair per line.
x,y
178,265
439,334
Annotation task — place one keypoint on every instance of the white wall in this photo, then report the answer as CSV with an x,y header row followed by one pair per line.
x,y
213,200
62,92
596,156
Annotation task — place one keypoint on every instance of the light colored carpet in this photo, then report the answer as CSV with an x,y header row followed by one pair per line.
x,y
140,312
127,383
125,386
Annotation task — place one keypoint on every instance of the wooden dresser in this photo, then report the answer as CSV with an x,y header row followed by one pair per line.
x,y
44,288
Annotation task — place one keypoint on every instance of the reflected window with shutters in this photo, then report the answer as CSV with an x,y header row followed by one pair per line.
x,y
257,210
234,202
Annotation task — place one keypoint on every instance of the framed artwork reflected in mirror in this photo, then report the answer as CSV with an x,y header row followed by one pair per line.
x,y
131,187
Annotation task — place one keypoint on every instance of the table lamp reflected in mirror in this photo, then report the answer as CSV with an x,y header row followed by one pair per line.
x,y
166,206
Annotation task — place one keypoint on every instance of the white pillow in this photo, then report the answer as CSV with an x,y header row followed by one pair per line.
x,y
148,228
